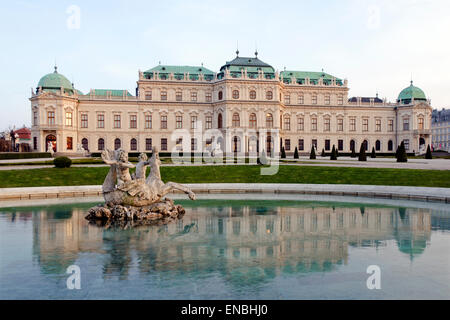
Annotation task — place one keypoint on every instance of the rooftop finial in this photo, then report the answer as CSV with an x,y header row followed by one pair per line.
x,y
256,50
56,69
237,48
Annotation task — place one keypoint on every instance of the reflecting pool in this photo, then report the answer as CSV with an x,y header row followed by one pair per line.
x,y
230,249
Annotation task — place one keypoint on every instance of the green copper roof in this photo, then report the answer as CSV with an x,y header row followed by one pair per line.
x,y
179,72
313,76
55,80
411,92
114,93
252,65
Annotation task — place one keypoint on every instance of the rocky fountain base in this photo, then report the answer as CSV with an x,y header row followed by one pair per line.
x,y
129,216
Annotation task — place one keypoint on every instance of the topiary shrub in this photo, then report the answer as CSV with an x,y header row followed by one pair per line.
x,y
362,153
283,153
428,155
401,154
296,153
372,154
323,153
62,162
333,153
312,155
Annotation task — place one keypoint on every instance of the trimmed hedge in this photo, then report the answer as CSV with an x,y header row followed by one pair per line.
x,y
62,162
24,155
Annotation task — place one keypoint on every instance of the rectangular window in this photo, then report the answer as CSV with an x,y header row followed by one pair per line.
x,y
69,143
352,124
406,124
51,117
208,122
84,120
314,143
35,116
193,122
406,142
327,99
164,123
193,96
193,144
287,123
340,100
179,122
340,145
287,99
133,121
179,144
100,121
179,96
365,125
326,124
390,125
163,144
420,124
287,144
148,95
300,124
117,121
148,121
340,124
301,144
378,125
301,99
68,119
314,99
34,143
163,95
314,124
208,97
148,144
327,145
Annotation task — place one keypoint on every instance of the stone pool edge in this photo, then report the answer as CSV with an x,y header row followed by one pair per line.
x,y
369,191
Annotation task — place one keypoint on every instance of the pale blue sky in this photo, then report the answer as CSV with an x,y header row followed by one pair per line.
x,y
376,45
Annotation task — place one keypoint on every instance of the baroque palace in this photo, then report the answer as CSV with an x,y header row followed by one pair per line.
x,y
246,107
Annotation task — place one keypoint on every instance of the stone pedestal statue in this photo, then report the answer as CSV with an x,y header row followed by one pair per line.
x,y
50,148
136,199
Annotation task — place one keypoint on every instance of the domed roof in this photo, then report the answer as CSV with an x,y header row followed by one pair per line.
x,y
55,80
411,92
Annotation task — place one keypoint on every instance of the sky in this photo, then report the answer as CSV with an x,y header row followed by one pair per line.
x,y
379,46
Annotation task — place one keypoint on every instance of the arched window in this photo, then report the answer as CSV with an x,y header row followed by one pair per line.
x,y
85,144
236,120
378,145
101,144
253,121
236,144
269,95
253,94
235,94
220,95
117,144
352,145
219,121
133,144
366,145
269,120
269,144
390,145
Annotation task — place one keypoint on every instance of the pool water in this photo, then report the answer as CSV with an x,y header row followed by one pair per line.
x,y
230,249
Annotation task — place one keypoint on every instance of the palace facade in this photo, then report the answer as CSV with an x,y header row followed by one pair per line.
x,y
246,107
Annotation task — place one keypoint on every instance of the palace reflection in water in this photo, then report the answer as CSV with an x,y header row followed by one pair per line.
x,y
243,243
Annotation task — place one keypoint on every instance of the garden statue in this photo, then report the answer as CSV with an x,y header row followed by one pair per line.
x,y
50,148
134,197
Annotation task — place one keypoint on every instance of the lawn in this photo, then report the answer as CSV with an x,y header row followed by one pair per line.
x,y
235,174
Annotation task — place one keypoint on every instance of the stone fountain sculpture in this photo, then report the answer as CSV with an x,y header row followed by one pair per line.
x,y
135,198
